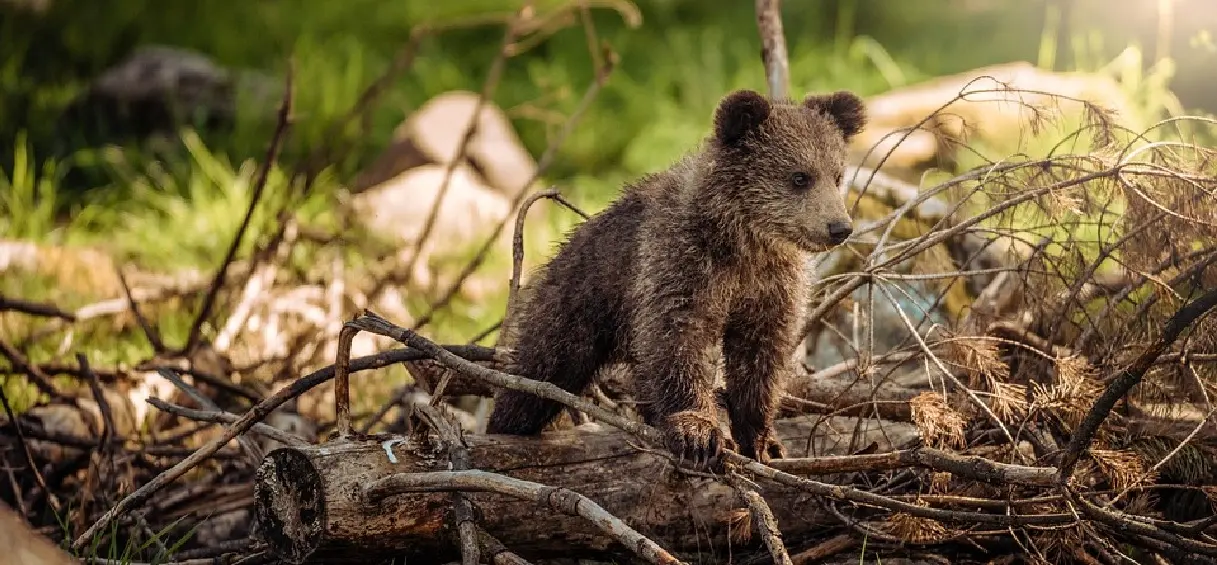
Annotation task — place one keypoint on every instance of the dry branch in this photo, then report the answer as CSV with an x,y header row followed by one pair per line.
x,y
34,309
969,466
272,154
1119,385
254,415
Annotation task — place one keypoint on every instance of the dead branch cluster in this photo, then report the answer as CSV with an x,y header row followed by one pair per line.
x,y
1059,412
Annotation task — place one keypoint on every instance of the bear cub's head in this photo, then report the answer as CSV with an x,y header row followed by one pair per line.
x,y
785,160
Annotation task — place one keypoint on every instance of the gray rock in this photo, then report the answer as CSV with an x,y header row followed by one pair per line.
x,y
159,88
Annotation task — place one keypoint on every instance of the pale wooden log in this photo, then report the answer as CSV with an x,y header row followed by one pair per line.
x,y
311,508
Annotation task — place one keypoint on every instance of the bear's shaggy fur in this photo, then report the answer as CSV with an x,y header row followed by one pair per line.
x,y
706,257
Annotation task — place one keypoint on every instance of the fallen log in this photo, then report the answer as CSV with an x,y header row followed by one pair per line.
x,y
313,505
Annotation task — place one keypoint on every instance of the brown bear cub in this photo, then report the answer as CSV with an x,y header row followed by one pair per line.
x,y
706,257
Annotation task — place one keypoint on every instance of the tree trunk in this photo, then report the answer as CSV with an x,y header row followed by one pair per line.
x,y
311,508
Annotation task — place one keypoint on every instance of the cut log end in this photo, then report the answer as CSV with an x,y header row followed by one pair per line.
x,y
291,504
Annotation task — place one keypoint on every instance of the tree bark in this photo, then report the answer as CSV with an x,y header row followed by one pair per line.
x,y
311,505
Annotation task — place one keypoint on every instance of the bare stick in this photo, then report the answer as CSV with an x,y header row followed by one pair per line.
x,y
499,554
208,378
1138,525
221,417
34,309
254,415
261,276
517,245
251,449
968,466
1123,382
33,372
29,456
763,516
153,336
458,456
773,51
272,153
864,497
373,323
342,382
547,159
488,87
107,414
824,550
556,499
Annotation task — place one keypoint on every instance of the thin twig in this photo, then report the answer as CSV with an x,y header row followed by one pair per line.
x,y
968,466
29,456
251,449
272,154
342,382
108,431
458,456
34,309
221,417
373,323
493,76
547,159
837,492
150,333
517,246
497,552
762,516
40,380
256,414
1121,383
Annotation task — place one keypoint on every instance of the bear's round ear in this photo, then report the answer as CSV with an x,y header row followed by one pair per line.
x,y
739,113
845,108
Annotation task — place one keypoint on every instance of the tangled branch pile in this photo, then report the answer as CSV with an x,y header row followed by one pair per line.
x,y
1026,364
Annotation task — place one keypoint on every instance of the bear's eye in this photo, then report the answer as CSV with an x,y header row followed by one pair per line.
x,y
800,179
840,177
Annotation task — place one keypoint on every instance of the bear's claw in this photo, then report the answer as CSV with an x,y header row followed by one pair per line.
x,y
695,438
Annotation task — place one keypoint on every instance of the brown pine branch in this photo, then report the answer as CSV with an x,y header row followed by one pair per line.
x,y
1120,384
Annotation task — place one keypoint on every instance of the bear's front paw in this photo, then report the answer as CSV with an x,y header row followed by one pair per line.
x,y
764,446
694,437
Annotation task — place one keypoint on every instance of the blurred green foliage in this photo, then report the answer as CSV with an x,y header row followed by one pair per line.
x,y
673,67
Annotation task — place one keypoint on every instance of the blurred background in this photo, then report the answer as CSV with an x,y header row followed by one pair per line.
x,y
133,128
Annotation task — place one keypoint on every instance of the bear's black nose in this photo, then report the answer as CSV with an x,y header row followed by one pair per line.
x,y
839,232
